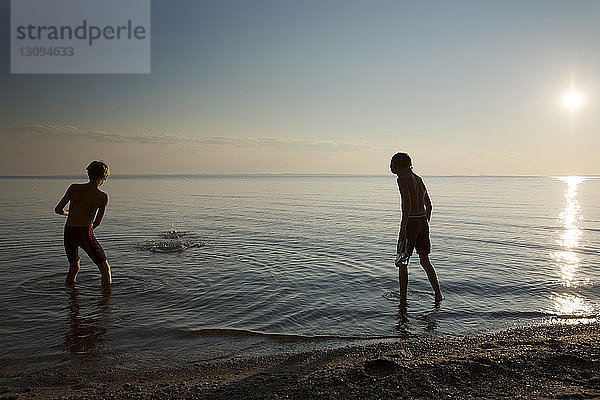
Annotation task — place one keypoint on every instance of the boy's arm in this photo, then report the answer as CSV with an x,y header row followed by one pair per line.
x,y
405,195
101,211
428,206
60,207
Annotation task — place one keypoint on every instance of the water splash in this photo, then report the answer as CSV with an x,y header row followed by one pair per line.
x,y
172,241
174,234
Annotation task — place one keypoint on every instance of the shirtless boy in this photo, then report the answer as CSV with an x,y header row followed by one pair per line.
x,y
414,228
88,203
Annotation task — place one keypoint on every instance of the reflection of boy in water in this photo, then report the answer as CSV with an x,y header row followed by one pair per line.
x,y
85,333
87,201
414,228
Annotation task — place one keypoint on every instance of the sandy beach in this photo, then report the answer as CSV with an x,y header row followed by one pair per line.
x,y
551,361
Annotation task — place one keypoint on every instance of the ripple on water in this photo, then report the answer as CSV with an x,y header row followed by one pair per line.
x,y
43,283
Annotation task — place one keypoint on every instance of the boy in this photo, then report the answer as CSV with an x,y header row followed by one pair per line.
x,y
414,228
87,201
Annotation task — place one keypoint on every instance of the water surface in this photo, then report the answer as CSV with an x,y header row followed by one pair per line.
x,y
210,267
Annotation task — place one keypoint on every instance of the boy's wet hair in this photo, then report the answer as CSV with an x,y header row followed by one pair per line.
x,y
97,171
399,162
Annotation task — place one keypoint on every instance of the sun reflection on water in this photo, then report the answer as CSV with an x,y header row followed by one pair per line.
x,y
571,215
568,303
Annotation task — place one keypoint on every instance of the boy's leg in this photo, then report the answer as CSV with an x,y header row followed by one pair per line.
x,y
431,275
403,279
72,252
104,268
72,275
96,253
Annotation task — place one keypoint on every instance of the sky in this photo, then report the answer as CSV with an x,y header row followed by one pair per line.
x,y
253,86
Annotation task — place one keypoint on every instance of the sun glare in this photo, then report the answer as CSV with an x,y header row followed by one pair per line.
x,y
572,100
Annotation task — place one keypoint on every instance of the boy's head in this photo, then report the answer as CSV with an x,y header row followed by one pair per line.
x,y
400,162
97,171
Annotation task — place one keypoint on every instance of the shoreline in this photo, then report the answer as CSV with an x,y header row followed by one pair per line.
x,y
547,361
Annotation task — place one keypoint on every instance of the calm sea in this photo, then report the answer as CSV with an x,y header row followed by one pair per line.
x,y
214,267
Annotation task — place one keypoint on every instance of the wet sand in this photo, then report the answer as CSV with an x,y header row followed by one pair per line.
x,y
553,361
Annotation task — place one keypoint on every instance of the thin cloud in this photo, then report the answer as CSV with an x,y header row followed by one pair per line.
x,y
278,143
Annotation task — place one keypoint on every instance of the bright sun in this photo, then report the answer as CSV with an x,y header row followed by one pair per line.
x,y
572,100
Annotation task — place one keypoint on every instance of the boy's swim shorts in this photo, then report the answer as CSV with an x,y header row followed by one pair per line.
x,y
417,235
83,237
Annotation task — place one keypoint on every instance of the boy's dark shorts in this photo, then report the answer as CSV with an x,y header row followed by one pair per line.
x,y
417,235
83,237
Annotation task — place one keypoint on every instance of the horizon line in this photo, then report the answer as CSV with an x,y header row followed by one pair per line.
x,y
290,174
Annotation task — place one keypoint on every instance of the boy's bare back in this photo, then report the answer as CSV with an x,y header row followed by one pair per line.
x,y
413,192
415,199
85,200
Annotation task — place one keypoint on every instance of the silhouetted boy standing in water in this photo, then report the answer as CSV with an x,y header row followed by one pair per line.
x,y
87,201
414,228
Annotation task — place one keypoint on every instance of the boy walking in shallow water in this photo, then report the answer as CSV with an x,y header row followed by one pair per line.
x,y
87,203
414,228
